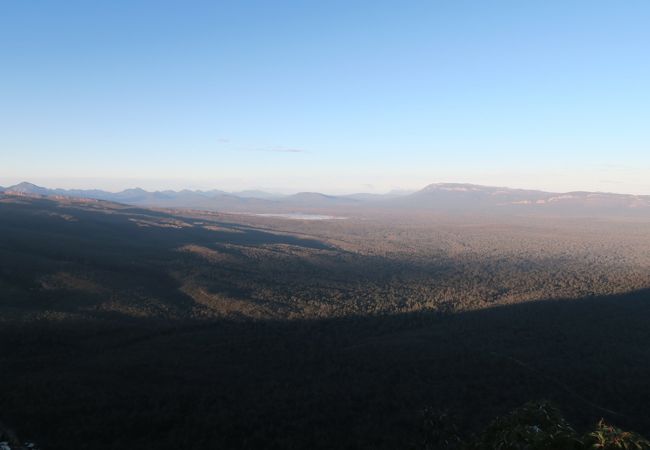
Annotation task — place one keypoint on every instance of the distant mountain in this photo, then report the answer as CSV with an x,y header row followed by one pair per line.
x,y
364,196
208,200
470,197
257,194
440,197
29,189
315,199
456,196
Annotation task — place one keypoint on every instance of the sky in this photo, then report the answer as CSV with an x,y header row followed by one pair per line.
x,y
330,96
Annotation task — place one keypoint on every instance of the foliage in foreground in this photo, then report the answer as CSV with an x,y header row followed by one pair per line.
x,y
534,426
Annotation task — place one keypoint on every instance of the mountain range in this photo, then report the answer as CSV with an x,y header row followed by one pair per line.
x,y
442,197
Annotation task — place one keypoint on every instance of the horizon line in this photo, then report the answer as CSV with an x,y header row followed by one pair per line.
x,y
271,192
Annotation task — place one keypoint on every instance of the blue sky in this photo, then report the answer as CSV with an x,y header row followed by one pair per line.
x,y
335,96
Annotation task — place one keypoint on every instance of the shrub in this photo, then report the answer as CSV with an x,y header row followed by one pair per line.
x,y
534,426
608,437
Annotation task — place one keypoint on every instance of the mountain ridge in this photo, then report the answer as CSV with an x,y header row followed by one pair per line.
x,y
443,197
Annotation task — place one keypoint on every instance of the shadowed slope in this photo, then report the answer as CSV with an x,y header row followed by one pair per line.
x,y
340,383
69,257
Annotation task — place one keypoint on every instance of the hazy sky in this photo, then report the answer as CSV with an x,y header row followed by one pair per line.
x,y
335,96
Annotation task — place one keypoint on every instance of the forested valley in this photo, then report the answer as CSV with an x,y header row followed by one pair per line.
x,y
125,327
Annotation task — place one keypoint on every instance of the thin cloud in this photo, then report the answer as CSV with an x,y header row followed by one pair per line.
x,y
277,150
